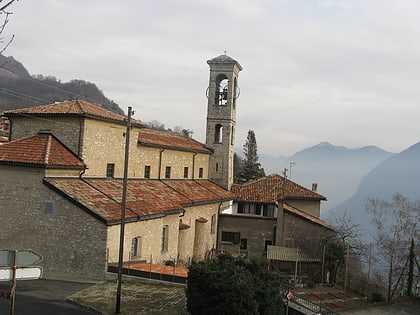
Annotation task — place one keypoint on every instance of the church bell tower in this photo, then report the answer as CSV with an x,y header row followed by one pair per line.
x,y
222,94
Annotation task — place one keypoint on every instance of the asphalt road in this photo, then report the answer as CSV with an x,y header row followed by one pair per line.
x,y
43,297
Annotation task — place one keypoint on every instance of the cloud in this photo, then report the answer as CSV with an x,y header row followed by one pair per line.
x,y
329,70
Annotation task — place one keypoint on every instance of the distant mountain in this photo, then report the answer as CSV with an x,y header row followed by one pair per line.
x,y
336,169
399,173
18,89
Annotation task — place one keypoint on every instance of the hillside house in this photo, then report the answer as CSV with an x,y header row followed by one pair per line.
x,y
272,217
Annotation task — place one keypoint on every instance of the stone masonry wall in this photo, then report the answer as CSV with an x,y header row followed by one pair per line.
x,y
71,241
67,129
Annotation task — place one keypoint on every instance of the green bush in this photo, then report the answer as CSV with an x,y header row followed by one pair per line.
x,y
228,285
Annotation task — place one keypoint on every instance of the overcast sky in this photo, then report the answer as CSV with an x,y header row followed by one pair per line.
x,y
346,72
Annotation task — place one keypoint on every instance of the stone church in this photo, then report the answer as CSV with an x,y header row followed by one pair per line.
x,y
61,178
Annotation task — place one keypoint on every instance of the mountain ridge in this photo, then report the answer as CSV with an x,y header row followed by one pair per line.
x,y
19,89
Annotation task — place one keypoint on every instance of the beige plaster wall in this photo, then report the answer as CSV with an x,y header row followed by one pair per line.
x,y
311,207
184,246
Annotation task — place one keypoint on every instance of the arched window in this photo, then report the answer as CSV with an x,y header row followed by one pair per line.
x,y
218,134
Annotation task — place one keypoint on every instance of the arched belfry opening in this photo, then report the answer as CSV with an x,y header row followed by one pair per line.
x,y
222,94
222,90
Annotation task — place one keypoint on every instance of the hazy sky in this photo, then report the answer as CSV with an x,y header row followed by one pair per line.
x,y
346,72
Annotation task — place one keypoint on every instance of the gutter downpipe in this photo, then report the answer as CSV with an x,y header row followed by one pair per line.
x,y
193,168
160,163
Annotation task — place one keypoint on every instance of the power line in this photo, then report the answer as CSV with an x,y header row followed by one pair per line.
x,y
37,81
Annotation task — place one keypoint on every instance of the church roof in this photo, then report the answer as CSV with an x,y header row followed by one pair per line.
x,y
170,140
71,108
145,198
41,150
272,188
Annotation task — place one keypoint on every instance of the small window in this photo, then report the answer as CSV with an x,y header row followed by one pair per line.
x,y
258,207
147,171
134,243
200,172
244,243
231,237
165,233
213,224
240,207
49,207
217,167
186,172
168,172
232,136
110,168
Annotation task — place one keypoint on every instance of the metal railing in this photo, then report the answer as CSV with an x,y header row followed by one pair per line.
x,y
316,308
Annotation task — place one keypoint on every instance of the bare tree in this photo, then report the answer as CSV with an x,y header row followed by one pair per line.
x,y
346,243
395,226
4,6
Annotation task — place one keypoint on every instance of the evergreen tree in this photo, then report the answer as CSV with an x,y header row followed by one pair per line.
x,y
230,286
252,168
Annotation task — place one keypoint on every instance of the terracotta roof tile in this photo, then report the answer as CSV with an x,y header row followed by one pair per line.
x,y
3,139
183,226
201,220
306,216
145,198
272,188
71,108
41,150
166,139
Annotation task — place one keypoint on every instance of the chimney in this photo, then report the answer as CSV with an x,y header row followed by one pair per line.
x,y
314,187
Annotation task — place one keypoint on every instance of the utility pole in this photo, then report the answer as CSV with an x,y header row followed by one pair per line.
x,y
123,201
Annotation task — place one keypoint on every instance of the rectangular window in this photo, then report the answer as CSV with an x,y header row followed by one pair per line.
x,y
258,207
185,172
49,206
134,247
147,171
110,168
231,237
165,233
268,211
200,172
168,172
213,224
240,207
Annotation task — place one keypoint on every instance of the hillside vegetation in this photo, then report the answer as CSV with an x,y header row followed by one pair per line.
x,y
18,89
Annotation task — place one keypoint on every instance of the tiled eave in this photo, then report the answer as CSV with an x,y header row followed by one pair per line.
x,y
146,199
161,146
306,216
115,121
35,165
